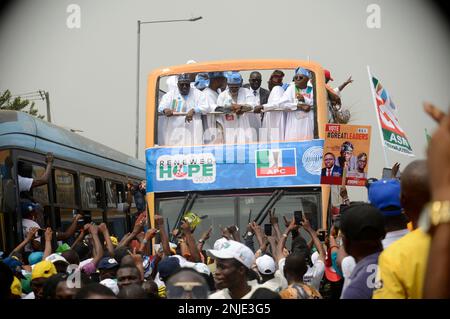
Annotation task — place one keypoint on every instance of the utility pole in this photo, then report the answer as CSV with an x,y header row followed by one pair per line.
x,y
46,96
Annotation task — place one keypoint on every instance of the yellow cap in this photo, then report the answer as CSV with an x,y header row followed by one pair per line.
x,y
43,269
114,240
16,287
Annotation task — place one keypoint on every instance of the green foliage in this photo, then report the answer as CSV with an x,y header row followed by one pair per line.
x,y
7,102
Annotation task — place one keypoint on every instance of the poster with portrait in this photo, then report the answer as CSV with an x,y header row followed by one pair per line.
x,y
345,155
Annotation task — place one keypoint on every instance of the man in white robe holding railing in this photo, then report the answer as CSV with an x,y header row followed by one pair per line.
x,y
183,129
299,100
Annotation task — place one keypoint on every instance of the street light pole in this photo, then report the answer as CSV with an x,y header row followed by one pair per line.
x,y
139,22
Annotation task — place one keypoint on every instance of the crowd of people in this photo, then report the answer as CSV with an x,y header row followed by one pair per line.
x,y
394,246
218,108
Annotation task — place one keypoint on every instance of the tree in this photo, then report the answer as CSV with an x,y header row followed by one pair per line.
x,y
7,102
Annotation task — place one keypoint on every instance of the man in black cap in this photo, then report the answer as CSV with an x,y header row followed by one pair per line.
x,y
362,227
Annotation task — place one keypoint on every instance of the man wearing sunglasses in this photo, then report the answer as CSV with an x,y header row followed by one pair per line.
x,y
187,284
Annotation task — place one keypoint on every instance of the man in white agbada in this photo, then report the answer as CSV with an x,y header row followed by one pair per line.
x,y
273,124
183,130
236,101
214,131
298,98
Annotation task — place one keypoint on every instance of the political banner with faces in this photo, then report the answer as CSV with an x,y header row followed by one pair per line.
x,y
345,155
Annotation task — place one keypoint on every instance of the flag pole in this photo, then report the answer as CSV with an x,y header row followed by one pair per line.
x,y
378,116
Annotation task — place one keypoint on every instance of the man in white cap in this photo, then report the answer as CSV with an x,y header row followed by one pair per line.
x,y
298,98
233,263
183,130
235,102
266,268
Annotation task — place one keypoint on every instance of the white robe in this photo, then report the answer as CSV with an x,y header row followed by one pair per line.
x,y
237,128
299,124
176,130
254,118
273,124
213,134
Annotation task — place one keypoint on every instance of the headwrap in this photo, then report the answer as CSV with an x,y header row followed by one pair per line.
x,y
201,81
184,77
303,71
234,78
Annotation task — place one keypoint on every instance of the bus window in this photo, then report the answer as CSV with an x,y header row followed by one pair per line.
x,y
40,193
90,195
253,203
7,196
65,188
111,194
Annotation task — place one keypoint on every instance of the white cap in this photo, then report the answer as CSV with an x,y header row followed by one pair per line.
x,y
219,243
265,264
234,250
111,284
202,268
53,258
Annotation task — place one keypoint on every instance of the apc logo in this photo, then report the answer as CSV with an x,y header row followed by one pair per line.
x,y
200,168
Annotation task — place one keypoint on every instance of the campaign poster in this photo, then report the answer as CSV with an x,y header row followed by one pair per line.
x,y
345,155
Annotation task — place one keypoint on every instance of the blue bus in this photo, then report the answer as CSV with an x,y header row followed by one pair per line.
x,y
86,177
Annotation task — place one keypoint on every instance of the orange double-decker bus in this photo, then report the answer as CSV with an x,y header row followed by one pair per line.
x,y
233,183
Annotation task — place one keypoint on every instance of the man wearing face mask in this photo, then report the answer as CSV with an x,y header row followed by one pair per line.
x,y
183,130
235,102
298,98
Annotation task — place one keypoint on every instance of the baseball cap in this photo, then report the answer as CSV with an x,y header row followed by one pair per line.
x,y
16,287
54,258
62,248
35,257
12,262
385,195
168,266
218,244
362,221
107,263
265,264
111,284
27,206
43,269
234,250
328,75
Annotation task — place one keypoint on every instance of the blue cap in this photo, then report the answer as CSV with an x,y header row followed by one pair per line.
x,y
35,257
27,206
168,266
303,71
12,262
385,195
201,81
107,263
234,78
214,75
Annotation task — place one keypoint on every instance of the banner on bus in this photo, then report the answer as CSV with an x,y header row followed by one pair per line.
x,y
345,155
221,167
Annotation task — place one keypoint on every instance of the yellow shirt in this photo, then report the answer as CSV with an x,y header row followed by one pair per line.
x,y
402,266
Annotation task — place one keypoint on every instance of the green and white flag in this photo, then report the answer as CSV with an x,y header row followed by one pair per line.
x,y
392,134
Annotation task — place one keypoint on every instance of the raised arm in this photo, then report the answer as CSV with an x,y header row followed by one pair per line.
x,y
109,245
276,227
42,180
48,243
307,227
205,236
98,250
159,222
71,230
30,237
281,244
190,241
343,85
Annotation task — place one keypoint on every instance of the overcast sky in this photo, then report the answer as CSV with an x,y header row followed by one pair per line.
x,y
90,72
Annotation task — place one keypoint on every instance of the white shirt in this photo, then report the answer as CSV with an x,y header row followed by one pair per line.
x,y
299,124
212,135
27,224
275,284
274,122
24,183
313,275
177,131
347,265
237,127
393,236
29,296
225,293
